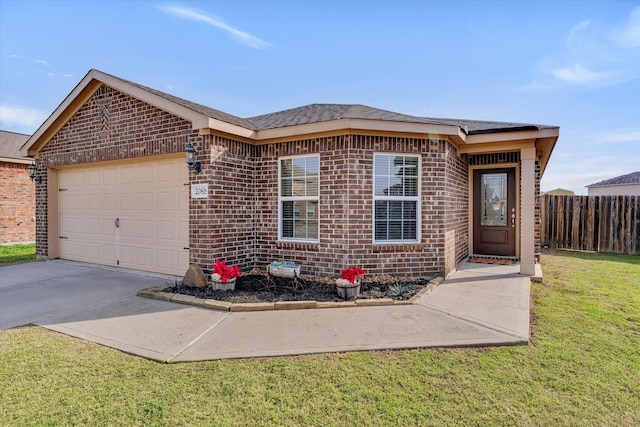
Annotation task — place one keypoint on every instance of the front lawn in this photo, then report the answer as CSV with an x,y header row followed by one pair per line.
x,y
581,368
16,254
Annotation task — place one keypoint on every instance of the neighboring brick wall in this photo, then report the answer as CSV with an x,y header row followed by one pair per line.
x,y
109,126
17,204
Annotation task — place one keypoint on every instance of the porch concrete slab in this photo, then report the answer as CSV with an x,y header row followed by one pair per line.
x,y
280,333
158,330
39,290
494,296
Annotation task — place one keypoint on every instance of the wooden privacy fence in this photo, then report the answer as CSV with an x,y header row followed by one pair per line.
x,y
592,223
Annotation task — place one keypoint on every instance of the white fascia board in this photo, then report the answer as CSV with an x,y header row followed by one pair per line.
x,y
14,160
204,122
361,124
511,136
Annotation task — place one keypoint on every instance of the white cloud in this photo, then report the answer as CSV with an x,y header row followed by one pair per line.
x,y
194,15
40,61
24,118
577,74
629,36
623,135
591,57
574,33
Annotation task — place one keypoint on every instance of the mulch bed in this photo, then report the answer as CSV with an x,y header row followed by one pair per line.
x,y
252,288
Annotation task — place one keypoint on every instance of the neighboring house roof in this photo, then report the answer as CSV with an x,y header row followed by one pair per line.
x,y
297,122
630,178
10,144
560,192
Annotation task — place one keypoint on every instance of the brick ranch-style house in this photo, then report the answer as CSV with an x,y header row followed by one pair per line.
x,y
324,185
17,192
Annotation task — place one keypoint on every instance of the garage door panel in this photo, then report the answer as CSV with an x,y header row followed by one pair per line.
x,y
149,198
109,176
80,201
145,174
94,252
110,201
80,225
94,226
94,202
145,256
127,255
127,174
145,201
94,177
166,257
109,254
145,229
66,225
165,200
166,230
127,201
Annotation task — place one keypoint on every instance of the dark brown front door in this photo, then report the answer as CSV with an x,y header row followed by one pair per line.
x,y
494,212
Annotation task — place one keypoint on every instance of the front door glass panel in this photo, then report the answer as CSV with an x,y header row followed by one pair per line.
x,y
493,202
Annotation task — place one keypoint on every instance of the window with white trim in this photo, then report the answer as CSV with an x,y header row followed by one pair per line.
x,y
298,190
396,196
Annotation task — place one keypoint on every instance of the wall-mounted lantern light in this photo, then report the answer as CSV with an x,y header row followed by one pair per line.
x,y
32,173
191,158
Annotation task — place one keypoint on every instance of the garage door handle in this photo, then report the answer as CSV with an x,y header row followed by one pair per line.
x,y
117,222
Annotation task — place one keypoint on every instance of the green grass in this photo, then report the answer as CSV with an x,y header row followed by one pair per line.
x,y
16,254
581,368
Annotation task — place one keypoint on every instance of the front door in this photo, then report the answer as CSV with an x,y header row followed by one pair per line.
x,y
494,212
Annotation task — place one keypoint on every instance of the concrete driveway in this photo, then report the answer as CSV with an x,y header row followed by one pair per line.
x,y
479,305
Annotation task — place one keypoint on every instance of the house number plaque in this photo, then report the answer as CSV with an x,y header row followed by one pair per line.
x,y
200,191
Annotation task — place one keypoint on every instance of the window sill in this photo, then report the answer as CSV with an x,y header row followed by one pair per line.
x,y
397,247
299,246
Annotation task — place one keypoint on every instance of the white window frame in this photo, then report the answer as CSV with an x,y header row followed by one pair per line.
x,y
282,199
415,199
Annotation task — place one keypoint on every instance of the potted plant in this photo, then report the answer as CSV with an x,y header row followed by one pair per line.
x,y
348,286
224,276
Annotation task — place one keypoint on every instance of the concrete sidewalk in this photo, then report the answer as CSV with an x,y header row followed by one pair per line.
x,y
478,305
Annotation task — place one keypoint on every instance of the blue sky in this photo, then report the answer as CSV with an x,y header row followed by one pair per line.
x,y
573,64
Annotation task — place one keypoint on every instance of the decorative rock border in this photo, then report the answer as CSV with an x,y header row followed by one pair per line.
x,y
158,293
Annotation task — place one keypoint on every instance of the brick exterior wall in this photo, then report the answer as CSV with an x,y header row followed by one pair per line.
x,y
239,220
17,204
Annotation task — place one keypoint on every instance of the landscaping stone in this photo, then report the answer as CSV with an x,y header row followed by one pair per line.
x,y
195,277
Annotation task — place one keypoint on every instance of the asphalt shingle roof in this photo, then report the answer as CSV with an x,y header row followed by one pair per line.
x,y
630,178
317,113
10,144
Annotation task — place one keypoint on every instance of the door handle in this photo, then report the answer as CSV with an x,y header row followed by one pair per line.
x,y
117,222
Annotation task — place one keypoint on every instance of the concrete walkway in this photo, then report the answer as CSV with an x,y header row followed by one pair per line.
x,y
479,305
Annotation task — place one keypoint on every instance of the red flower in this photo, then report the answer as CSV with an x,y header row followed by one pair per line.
x,y
352,273
226,272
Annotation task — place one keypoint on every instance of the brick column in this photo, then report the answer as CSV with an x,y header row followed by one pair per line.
x,y
527,211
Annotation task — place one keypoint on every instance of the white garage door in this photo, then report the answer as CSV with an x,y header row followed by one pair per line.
x,y
132,215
